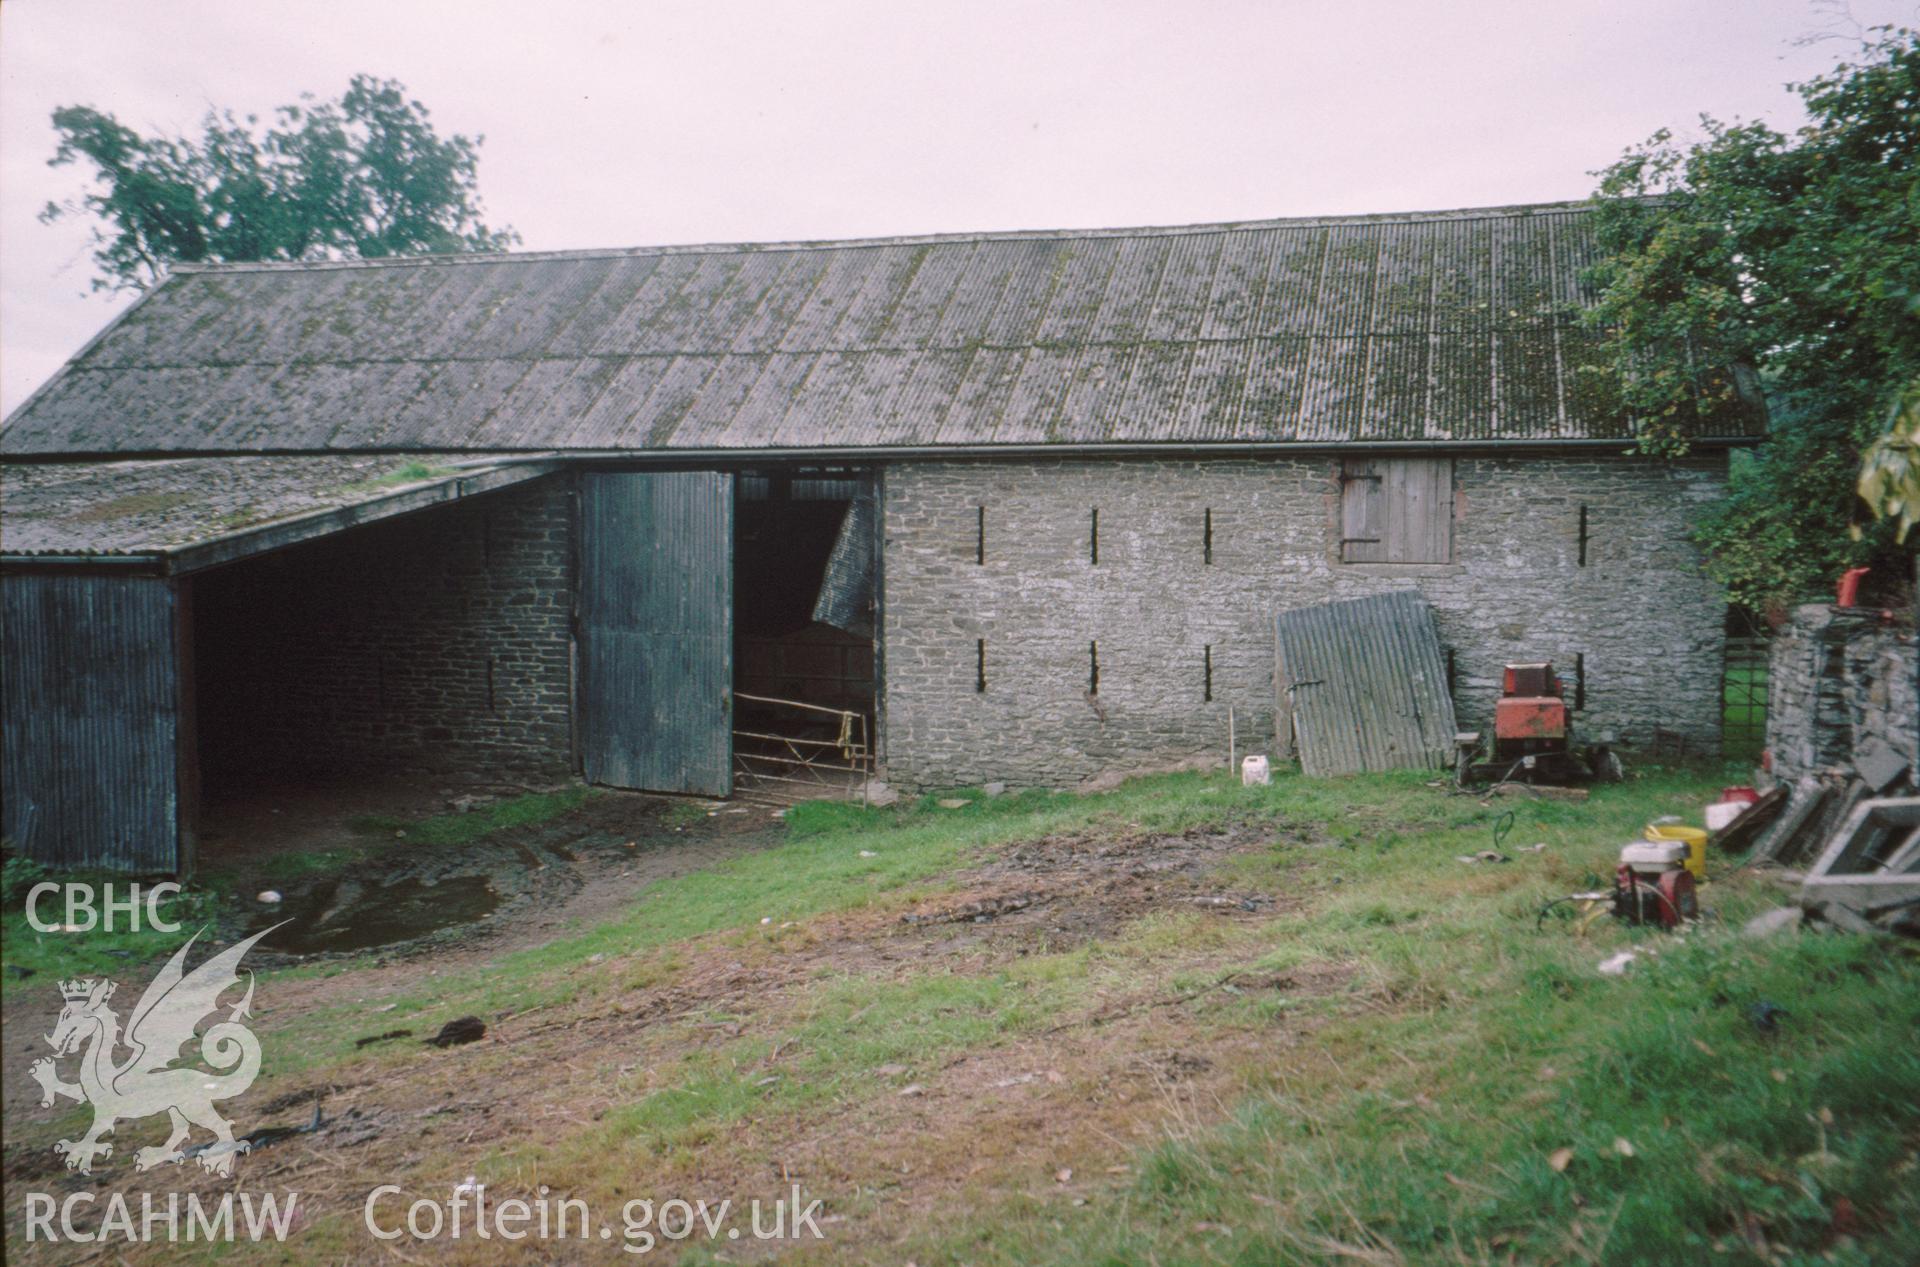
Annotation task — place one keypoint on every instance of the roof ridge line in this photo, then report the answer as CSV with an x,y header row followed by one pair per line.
x,y
1508,212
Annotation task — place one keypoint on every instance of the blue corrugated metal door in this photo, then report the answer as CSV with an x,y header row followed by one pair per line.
x,y
656,630
92,721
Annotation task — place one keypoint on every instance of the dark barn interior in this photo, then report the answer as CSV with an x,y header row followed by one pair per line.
x,y
803,624
434,644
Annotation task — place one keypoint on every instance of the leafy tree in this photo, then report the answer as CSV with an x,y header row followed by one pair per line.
x,y
363,176
1890,476
1794,256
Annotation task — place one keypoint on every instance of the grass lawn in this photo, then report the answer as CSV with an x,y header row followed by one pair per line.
x,y
1184,1022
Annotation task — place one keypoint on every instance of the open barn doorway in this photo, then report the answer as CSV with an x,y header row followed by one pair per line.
x,y
806,599
384,671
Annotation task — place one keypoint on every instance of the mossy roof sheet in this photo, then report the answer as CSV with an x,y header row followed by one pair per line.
x,y
158,506
1456,326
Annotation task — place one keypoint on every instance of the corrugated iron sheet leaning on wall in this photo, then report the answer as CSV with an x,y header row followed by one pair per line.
x,y
1363,685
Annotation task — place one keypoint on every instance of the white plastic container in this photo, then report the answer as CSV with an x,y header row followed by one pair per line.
x,y
1255,771
1652,857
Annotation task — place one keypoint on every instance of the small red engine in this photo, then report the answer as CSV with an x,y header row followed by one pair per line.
x,y
1533,736
1659,893
1531,717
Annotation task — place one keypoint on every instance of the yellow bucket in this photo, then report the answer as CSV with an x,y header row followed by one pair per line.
x,y
1694,839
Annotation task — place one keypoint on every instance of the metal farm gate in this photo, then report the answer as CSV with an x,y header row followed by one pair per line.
x,y
1744,688
656,630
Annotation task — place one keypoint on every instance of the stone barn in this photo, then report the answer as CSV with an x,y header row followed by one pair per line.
x,y
1008,506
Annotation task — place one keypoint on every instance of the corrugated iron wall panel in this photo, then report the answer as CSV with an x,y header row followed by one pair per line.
x,y
847,587
92,699
1365,685
656,630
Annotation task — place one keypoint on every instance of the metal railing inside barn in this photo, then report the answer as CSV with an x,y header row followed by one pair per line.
x,y
787,751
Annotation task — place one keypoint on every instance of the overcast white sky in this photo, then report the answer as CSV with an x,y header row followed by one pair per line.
x,y
638,122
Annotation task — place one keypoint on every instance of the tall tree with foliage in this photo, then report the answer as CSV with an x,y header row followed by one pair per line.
x,y
361,177
1798,256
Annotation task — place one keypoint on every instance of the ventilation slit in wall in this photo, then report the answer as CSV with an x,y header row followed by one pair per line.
x,y
1093,668
491,707
1093,537
1207,661
1583,534
1206,538
1450,671
1579,681
980,667
980,539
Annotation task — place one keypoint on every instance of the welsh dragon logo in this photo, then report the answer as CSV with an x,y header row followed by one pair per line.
x,y
147,1081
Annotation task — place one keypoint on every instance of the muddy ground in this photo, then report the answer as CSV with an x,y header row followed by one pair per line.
x,y
401,894
1033,1114
506,889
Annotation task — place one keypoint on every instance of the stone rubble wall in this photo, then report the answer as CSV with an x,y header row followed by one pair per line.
x,y
437,642
1647,621
1837,676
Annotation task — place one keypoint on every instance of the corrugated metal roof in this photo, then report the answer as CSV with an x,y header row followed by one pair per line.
x,y
1440,326
1364,684
164,506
